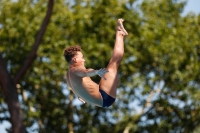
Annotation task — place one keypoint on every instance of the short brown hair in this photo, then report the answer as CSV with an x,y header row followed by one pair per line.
x,y
70,52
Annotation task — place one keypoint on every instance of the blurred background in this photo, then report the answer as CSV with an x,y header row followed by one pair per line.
x,y
159,76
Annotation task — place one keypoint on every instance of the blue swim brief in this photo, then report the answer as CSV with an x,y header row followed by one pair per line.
x,y
107,99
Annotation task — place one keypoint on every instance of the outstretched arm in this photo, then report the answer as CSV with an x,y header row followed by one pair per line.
x,y
91,72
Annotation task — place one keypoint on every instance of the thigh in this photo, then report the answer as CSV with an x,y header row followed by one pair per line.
x,y
110,84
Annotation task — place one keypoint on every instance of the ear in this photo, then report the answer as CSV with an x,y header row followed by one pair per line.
x,y
74,59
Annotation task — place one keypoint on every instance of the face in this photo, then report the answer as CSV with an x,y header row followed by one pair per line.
x,y
79,59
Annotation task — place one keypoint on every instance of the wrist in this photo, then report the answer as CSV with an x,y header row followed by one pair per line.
x,y
97,72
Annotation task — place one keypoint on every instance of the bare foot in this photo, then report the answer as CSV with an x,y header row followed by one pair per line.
x,y
120,27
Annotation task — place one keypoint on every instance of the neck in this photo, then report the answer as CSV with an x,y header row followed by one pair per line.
x,y
71,65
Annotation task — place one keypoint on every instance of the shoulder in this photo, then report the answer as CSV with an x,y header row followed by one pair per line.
x,y
78,69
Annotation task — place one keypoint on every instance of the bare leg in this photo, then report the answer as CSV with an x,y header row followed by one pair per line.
x,y
110,84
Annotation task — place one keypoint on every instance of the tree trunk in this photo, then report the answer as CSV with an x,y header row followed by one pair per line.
x,y
9,85
11,98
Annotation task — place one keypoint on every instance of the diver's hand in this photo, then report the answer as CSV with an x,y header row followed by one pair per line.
x,y
101,72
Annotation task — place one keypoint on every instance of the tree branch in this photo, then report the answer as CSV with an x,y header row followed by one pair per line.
x,y
36,44
141,112
148,100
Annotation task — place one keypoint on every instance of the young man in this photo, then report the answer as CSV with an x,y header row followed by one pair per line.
x,y
78,77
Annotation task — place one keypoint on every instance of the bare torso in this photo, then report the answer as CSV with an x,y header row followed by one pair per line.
x,y
84,88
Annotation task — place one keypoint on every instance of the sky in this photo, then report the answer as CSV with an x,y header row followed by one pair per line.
x,y
192,6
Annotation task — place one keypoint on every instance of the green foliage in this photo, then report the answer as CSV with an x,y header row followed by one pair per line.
x,y
162,57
